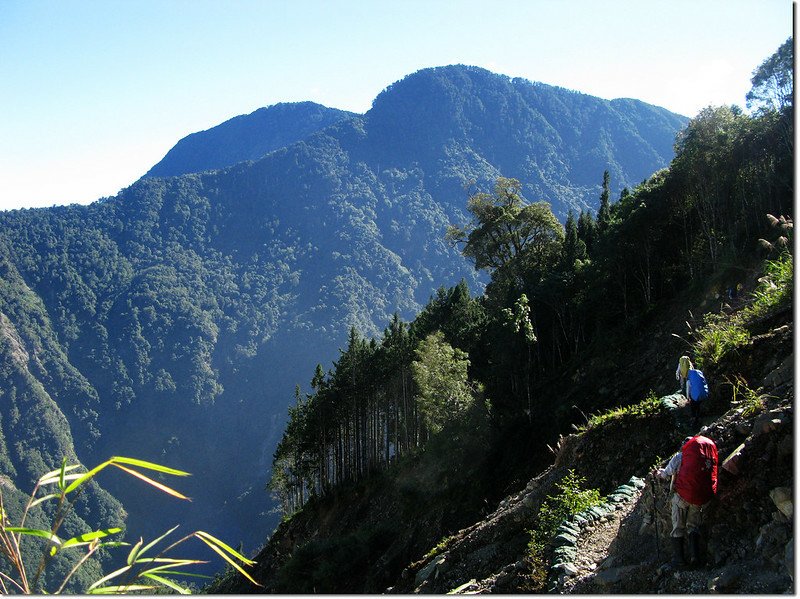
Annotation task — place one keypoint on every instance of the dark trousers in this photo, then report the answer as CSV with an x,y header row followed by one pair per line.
x,y
694,407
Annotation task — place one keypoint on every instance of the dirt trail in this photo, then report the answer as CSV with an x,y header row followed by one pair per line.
x,y
747,550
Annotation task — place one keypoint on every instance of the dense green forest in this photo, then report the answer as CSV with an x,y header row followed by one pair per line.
x,y
554,291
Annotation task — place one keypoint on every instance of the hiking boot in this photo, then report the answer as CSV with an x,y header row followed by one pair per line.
x,y
695,558
678,561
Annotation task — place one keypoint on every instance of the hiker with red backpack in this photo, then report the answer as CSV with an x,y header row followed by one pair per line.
x,y
694,472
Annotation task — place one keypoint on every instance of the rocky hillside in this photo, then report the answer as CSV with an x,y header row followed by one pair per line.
x,y
616,547
619,547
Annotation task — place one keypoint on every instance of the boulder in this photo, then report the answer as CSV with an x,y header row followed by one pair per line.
x,y
566,568
565,553
782,498
731,463
569,528
565,539
786,447
607,563
637,483
782,375
467,588
772,538
425,573
725,581
673,402
612,576
483,554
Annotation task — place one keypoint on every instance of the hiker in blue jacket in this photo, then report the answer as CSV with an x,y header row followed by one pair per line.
x,y
696,391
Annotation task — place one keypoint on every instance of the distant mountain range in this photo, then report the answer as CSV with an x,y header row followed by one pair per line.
x,y
172,322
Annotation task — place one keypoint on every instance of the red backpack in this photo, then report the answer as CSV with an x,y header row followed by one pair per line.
x,y
696,482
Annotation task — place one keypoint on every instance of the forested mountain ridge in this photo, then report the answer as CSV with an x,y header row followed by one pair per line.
x,y
246,137
551,139
171,322
466,124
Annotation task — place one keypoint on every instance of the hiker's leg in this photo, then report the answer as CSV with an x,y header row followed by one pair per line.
x,y
694,517
694,407
679,512
694,521
679,509
678,559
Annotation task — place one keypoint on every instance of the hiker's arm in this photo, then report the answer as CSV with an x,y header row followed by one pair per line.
x,y
672,467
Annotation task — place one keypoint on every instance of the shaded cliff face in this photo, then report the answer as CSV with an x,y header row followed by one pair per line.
x,y
172,322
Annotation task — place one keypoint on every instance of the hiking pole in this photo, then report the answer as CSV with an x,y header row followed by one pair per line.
x,y
655,515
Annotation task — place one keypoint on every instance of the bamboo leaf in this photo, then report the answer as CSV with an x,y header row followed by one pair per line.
x,y
53,475
151,544
113,544
135,551
169,583
165,560
85,477
170,564
62,473
45,498
87,538
150,481
55,479
224,546
229,560
108,577
187,574
149,466
35,532
123,589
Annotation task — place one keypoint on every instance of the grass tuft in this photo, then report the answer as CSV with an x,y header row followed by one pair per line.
x,y
723,333
647,407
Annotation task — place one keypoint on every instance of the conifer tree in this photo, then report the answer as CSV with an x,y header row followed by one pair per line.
x,y
587,230
604,212
574,247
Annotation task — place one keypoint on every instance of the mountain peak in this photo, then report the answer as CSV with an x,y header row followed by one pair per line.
x,y
246,137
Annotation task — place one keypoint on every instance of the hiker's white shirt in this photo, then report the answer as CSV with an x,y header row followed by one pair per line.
x,y
673,466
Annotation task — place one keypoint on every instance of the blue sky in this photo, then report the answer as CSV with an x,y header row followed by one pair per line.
x,y
95,92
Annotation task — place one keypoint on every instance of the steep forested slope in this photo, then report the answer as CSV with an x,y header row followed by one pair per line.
x,y
177,316
426,526
374,469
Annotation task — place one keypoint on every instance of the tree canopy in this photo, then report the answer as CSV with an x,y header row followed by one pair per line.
x,y
773,80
